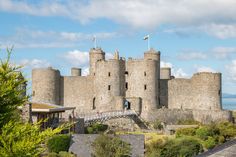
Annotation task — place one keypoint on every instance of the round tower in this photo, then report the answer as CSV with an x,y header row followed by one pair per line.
x,y
46,85
151,85
75,71
95,55
206,91
109,82
152,54
165,73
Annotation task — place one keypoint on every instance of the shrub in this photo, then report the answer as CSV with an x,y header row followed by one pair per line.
x,y
96,128
24,140
186,147
227,129
110,147
154,148
59,143
157,125
185,132
210,143
205,131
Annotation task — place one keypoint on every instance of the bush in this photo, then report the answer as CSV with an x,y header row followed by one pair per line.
x,y
157,125
205,131
59,143
185,132
210,143
186,147
227,129
110,147
154,148
96,128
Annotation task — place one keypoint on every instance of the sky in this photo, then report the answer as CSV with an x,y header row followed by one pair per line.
x,y
193,36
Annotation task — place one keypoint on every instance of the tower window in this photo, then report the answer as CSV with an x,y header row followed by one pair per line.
x,y
33,93
126,73
145,87
109,74
94,74
145,73
126,85
219,92
109,87
94,106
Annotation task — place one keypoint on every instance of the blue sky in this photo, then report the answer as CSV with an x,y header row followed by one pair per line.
x,y
193,36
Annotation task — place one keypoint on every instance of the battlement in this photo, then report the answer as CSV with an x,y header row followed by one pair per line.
x,y
119,84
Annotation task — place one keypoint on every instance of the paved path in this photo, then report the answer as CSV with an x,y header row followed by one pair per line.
x,y
227,149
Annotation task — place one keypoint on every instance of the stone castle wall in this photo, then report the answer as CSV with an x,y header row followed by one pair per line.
x,y
142,83
202,91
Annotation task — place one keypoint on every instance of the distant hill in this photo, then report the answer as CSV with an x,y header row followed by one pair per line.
x,y
227,95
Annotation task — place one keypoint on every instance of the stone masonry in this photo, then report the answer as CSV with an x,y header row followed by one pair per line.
x,y
137,84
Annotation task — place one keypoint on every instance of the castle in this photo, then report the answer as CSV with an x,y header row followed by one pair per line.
x,y
136,84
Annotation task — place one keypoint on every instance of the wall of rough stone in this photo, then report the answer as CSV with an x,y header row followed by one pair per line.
x,y
172,116
78,92
164,92
95,55
202,91
109,82
208,116
46,85
81,144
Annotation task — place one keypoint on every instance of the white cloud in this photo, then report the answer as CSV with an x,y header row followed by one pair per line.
x,y
34,63
192,56
204,69
166,64
223,52
77,58
137,13
177,72
25,38
231,70
221,31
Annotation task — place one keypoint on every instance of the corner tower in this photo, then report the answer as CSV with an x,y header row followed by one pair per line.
x,y
46,85
95,55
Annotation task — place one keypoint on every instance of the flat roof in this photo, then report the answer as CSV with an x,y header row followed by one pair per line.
x,y
46,107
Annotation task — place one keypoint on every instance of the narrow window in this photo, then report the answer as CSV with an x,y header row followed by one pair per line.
x,y
219,92
126,85
145,73
94,106
33,93
94,74
109,87
145,87
109,74
126,73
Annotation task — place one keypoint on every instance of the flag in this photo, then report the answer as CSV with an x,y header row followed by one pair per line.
x,y
146,37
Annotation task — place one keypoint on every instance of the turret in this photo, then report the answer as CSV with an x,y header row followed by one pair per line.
x,y
46,85
165,73
95,55
75,71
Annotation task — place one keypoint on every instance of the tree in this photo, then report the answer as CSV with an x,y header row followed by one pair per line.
x,y
109,146
11,91
24,140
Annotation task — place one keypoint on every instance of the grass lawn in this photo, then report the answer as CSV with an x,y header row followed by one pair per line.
x,y
149,136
